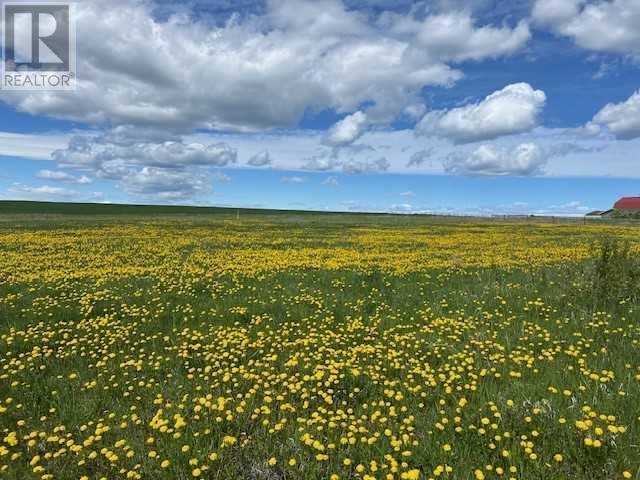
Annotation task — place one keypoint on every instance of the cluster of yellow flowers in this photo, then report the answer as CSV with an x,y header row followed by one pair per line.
x,y
257,248
272,351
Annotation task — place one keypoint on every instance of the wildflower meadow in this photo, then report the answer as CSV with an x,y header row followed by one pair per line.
x,y
318,347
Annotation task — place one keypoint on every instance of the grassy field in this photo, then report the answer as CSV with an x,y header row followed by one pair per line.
x,y
8,207
294,346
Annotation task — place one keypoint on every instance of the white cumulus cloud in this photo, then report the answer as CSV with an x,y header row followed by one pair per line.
x,y
321,162
347,130
522,160
453,36
100,154
514,109
621,119
261,71
143,164
169,185
603,26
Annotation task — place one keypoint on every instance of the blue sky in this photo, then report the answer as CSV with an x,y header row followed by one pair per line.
x,y
441,106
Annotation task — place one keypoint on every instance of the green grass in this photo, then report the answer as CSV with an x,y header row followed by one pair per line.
x,y
418,342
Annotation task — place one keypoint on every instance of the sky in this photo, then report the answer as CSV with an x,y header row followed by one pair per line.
x,y
474,107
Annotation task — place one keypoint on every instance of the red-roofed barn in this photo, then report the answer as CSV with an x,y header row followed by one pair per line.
x,y
628,205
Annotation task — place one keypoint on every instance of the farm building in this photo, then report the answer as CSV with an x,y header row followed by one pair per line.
x,y
628,205
597,214
625,207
